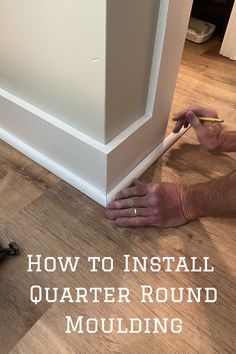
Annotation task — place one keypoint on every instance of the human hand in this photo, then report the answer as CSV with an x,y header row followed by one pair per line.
x,y
156,204
210,134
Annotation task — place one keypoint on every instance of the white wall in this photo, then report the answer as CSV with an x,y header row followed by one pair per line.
x,y
53,56
228,48
45,61
131,29
85,62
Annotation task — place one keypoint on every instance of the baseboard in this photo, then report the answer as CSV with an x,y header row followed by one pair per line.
x,y
59,170
145,164
71,155
97,170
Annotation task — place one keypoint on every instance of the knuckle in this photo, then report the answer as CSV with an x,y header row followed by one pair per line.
x,y
119,195
135,201
117,204
150,187
154,220
125,193
130,213
156,211
145,201
154,187
140,187
155,199
131,202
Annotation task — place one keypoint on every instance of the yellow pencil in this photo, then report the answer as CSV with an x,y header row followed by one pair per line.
x,y
209,119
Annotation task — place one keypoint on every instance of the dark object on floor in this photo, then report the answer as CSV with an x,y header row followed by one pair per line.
x,y
13,250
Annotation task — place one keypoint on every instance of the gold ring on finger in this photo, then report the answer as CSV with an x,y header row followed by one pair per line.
x,y
134,212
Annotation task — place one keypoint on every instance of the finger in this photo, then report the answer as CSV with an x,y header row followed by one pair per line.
x,y
138,190
181,115
113,214
134,222
137,182
178,126
193,119
128,203
199,111
206,112
178,118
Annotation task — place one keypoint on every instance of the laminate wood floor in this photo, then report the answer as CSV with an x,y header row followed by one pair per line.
x,y
49,217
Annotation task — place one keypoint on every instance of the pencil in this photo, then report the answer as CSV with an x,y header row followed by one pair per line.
x,y
209,119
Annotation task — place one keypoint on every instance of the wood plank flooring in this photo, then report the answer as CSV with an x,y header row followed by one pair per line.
x,y
208,78
47,216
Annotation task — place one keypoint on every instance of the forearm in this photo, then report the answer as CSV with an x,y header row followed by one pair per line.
x,y
229,142
215,198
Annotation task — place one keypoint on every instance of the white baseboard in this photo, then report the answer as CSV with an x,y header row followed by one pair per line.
x,y
56,168
97,170
53,144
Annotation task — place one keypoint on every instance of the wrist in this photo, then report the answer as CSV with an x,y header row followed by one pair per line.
x,y
219,148
194,201
229,143
215,198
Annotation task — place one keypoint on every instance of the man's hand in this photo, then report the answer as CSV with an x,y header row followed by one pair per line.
x,y
156,204
169,204
211,135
